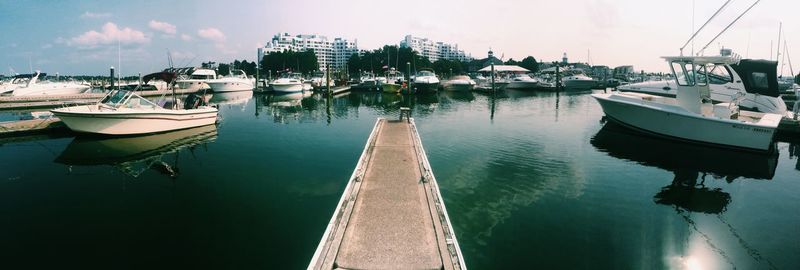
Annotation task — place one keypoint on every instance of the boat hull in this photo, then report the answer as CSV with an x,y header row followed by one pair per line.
x,y
287,88
191,84
457,87
579,84
426,87
219,87
657,119
391,87
42,90
522,85
82,119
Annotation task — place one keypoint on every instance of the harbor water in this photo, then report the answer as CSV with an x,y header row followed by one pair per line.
x,y
530,180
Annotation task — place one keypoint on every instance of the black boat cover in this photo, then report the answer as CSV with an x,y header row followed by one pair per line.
x,y
758,76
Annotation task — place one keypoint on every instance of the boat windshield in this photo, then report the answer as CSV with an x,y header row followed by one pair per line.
x,y
425,73
127,99
115,98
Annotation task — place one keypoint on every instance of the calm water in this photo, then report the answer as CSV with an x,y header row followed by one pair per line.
x,y
530,181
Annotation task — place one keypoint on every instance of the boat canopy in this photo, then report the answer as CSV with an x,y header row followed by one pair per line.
x,y
702,60
164,75
758,76
505,68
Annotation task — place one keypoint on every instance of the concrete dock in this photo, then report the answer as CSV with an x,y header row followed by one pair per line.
x,y
391,214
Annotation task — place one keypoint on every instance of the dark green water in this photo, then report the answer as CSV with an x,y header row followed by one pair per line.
x,y
530,181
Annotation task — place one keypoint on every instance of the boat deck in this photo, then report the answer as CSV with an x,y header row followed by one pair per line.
x,y
391,214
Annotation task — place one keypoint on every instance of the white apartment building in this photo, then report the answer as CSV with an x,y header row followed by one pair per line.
x,y
434,50
334,53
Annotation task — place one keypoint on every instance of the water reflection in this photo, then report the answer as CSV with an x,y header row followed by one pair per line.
x,y
691,165
232,98
135,155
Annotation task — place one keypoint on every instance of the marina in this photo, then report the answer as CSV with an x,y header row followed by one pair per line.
x,y
522,171
439,140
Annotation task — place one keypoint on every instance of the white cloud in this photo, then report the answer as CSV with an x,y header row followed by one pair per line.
x,y
92,15
109,34
212,34
47,46
186,37
163,27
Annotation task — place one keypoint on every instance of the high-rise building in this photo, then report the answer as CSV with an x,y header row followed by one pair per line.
x,y
334,53
434,50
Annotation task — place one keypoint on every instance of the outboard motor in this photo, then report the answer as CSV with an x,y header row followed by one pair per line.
x,y
193,101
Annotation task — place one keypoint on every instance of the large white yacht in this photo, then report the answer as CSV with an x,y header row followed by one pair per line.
x,y
197,80
522,81
578,81
34,87
726,83
690,115
236,81
19,80
288,82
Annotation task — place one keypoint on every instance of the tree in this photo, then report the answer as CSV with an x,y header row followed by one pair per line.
x,y
448,67
389,57
223,69
529,63
303,62
797,78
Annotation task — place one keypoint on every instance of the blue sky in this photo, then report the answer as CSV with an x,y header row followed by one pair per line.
x,y
82,37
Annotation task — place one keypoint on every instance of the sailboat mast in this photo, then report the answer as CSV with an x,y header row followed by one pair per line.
x,y
778,49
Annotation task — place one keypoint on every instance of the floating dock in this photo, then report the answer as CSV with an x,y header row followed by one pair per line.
x,y
391,214
26,127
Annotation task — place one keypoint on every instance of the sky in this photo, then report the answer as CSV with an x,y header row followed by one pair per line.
x,y
87,37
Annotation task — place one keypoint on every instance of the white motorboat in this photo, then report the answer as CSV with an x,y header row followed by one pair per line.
x,y
123,112
425,81
307,85
726,84
287,83
197,80
36,88
236,81
578,81
318,81
690,116
19,80
459,83
523,81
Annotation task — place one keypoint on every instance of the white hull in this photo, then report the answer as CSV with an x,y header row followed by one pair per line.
x,y
91,119
675,122
191,84
49,89
287,88
459,87
230,86
522,85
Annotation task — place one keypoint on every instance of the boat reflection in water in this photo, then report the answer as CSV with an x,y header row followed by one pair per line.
x,y
135,155
690,163
231,98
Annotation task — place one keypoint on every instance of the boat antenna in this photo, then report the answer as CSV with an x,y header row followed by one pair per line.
x,y
788,57
704,25
729,26
119,64
778,49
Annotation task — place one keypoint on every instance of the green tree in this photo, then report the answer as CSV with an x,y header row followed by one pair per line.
x,y
223,69
303,62
529,63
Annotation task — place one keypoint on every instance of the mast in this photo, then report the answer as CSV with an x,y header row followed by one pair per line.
x,y
727,27
704,25
778,49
